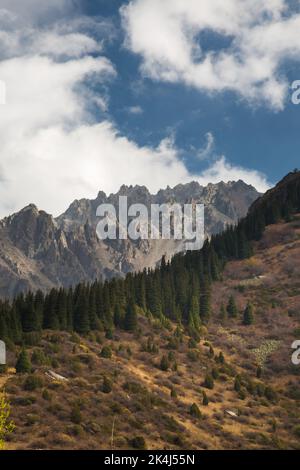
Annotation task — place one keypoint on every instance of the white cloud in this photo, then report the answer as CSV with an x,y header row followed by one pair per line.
x,y
262,34
222,170
35,10
135,110
206,151
52,150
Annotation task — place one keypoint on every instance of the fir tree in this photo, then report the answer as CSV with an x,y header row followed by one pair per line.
x,y
237,384
208,382
205,301
248,318
81,312
164,363
223,312
195,411
130,321
107,385
23,364
205,400
232,308
194,317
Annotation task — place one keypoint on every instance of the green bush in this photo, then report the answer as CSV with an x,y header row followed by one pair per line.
x,y
23,364
107,385
138,442
76,417
164,363
195,412
32,382
39,358
106,352
209,382
46,395
205,399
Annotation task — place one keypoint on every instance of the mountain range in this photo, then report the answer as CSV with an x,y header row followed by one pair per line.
x,y
38,251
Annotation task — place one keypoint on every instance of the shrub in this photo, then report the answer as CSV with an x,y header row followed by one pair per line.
x,y
270,394
221,358
32,339
193,355
109,334
205,399
237,384
76,417
39,358
208,382
32,382
32,419
192,344
138,442
75,338
106,352
23,364
6,425
164,363
195,412
107,385
46,395
3,368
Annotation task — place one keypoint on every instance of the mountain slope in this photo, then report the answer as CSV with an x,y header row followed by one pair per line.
x,y
40,252
152,407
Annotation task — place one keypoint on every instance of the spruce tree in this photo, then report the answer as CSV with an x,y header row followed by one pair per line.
x,y
164,363
194,317
248,318
208,382
195,411
232,308
205,301
23,364
81,312
29,317
51,320
107,385
205,400
130,321
237,384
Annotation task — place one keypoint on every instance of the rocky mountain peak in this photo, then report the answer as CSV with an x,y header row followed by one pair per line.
x,y
40,252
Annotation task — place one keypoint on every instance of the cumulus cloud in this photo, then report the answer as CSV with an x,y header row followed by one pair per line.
x,y
261,34
52,148
222,170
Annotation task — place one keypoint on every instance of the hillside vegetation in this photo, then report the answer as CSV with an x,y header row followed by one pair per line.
x,y
194,355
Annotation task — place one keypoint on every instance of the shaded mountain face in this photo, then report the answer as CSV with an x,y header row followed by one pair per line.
x,y
38,251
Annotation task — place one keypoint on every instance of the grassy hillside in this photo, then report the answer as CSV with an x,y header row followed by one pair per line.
x,y
136,390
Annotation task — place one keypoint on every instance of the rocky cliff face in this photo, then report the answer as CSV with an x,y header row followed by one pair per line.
x,y
40,252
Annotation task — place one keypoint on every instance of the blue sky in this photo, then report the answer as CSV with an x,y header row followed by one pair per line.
x,y
256,137
144,92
